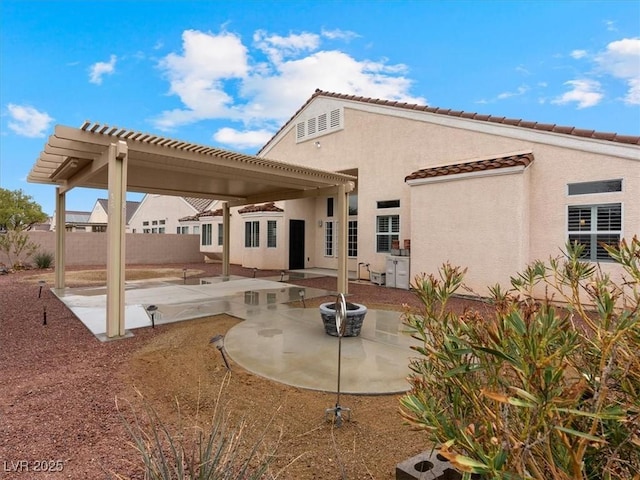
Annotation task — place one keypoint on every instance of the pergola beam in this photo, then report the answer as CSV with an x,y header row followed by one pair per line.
x,y
99,156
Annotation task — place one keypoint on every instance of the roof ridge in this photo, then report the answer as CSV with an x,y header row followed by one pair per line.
x,y
514,122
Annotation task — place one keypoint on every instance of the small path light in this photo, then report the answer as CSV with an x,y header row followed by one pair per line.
x,y
282,275
151,310
338,411
218,341
254,272
42,283
301,293
184,275
44,315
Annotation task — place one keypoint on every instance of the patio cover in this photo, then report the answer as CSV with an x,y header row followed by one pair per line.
x,y
121,160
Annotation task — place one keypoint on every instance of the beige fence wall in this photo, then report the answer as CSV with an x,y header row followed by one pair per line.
x,y
85,248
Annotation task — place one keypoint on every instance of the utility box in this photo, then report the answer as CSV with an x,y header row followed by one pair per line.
x,y
397,272
377,277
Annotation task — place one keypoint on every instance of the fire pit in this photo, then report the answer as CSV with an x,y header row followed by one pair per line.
x,y
355,317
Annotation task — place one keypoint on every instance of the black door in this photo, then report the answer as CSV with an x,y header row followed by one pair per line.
x,y
296,244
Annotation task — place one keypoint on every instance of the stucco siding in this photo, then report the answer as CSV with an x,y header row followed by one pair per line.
x,y
475,223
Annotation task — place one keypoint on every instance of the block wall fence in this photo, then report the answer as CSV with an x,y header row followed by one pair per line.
x,y
88,248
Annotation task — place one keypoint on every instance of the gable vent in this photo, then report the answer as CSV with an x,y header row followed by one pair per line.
x,y
319,125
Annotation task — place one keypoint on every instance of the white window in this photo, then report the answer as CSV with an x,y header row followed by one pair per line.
x,y
602,186
146,230
328,239
352,239
206,234
387,230
182,230
594,225
161,230
196,229
271,234
252,234
220,234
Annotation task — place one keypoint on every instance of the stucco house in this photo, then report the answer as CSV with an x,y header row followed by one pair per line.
x,y
161,214
98,217
488,193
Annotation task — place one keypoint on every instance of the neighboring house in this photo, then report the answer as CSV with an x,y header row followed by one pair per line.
x,y
75,221
99,216
161,214
487,193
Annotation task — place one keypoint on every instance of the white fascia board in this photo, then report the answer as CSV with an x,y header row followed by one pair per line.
x,y
461,176
604,147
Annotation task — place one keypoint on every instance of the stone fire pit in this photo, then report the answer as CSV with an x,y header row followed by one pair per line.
x,y
355,318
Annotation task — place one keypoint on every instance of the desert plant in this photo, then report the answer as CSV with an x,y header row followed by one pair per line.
x,y
197,452
43,259
533,388
15,244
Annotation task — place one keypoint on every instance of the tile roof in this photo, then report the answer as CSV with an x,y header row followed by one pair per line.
x,y
477,166
198,203
547,127
197,216
267,207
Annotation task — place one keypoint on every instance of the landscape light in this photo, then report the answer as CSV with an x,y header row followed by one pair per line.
x,y
301,294
218,342
42,283
151,310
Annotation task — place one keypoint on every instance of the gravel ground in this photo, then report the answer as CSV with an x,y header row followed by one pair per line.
x,y
59,385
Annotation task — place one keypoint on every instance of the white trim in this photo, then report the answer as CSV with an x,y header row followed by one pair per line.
x,y
604,147
496,172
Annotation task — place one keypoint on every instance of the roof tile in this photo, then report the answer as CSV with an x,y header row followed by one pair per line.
x,y
565,130
267,207
477,166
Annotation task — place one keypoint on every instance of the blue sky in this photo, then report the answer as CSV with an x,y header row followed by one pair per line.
x,y
230,73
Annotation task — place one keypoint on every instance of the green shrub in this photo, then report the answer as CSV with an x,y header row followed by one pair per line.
x,y
202,452
533,388
43,259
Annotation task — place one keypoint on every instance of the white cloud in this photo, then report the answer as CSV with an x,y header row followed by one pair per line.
x,y
585,92
611,25
277,47
520,91
337,34
244,139
215,77
197,76
27,121
578,54
99,69
621,60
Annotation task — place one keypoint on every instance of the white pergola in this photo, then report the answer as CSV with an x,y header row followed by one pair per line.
x,y
121,160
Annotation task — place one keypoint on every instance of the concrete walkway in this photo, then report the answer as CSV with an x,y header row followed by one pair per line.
x,y
285,344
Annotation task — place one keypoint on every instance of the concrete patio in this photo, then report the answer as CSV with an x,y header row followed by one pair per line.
x,y
276,341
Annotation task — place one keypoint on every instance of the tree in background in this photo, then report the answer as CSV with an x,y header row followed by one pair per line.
x,y
18,213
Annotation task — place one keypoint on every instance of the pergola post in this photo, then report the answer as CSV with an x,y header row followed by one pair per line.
x,y
117,161
60,238
343,228
226,239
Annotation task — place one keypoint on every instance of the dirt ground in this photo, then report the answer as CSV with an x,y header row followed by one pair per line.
x,y
64,394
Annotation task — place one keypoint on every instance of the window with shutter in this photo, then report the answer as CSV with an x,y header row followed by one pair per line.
x,y
594,225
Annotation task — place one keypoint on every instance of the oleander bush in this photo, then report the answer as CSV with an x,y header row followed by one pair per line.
x,y
537,388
